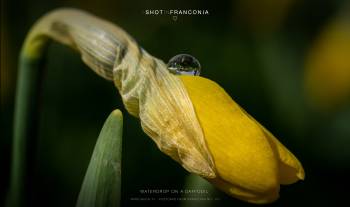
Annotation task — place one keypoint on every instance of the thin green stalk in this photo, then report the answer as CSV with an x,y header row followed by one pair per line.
x,y
25,128
102,183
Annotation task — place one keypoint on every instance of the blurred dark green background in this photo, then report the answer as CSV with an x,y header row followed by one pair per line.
x,y
254,49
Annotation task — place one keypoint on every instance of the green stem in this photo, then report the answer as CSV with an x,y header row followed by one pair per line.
x,y
25,127
81,34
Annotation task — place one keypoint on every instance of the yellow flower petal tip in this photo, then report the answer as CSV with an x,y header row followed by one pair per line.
x,y
250,162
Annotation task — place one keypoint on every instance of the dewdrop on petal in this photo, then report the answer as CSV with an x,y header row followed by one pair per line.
x,y
184,64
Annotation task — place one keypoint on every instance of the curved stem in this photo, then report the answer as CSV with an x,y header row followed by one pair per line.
x,y
52,26
101,45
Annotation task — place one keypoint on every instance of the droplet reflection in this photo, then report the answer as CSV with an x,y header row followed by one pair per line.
x,y
184,64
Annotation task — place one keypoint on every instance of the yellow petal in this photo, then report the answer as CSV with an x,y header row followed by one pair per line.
x,y
244,194
243,156
290,168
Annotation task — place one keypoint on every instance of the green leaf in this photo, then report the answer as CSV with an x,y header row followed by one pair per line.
x,y
102,182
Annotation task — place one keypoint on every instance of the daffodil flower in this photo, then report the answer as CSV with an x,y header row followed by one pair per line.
x,y
191,119
250,162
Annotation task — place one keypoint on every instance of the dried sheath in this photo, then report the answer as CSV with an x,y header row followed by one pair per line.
x,y
148,90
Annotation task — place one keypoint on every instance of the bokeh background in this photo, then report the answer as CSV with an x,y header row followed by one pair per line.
x,y
287,62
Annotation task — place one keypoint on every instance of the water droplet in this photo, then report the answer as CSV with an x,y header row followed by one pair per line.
x,y
184,64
